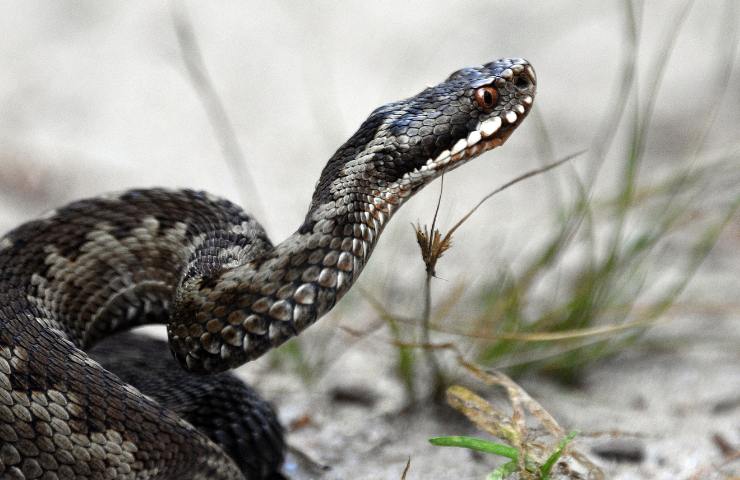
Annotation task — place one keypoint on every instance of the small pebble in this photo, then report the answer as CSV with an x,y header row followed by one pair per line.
x,y
621,450
354,395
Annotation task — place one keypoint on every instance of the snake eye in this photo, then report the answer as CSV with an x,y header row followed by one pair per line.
x,y
486,97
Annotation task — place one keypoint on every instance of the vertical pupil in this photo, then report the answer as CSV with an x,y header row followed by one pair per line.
x,y
487,97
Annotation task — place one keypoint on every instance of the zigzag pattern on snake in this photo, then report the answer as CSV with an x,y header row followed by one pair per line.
x,y
75,403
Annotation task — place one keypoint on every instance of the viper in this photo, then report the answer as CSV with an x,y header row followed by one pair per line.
x,y
77,401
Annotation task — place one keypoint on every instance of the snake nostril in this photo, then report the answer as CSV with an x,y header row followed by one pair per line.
x,y
523,83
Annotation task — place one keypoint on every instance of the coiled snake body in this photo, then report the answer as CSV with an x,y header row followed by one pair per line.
x,y
75,406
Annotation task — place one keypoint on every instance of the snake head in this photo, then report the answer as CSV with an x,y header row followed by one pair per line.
x,y
474,110
404,145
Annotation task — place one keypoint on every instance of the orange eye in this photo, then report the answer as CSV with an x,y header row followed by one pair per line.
x,y
486,97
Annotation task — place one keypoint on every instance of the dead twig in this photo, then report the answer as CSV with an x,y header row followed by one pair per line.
x,y
510,183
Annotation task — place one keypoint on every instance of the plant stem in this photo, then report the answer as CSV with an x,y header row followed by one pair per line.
x,y
438,377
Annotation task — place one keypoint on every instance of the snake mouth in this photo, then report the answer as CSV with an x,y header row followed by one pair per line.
x,y
488,134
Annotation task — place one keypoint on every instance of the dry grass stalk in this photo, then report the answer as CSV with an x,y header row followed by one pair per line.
x,y
433,245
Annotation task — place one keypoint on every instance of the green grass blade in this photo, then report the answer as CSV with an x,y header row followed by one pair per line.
x,y
555,455
477,444
503,471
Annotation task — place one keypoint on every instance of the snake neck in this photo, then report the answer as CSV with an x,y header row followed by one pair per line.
x,y
225,318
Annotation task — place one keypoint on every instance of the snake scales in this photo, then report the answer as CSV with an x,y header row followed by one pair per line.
x,y
75,405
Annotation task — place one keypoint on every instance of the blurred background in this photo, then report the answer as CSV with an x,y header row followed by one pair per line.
x,y
630,251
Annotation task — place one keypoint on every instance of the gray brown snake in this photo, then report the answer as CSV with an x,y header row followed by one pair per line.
x,y
74,405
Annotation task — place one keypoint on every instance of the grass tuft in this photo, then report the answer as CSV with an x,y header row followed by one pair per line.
x,y
529,455
540,312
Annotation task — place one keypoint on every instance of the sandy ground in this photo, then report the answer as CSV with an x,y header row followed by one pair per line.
x,y
94,98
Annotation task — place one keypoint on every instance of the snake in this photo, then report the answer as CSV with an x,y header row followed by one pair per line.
x,y
82,397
